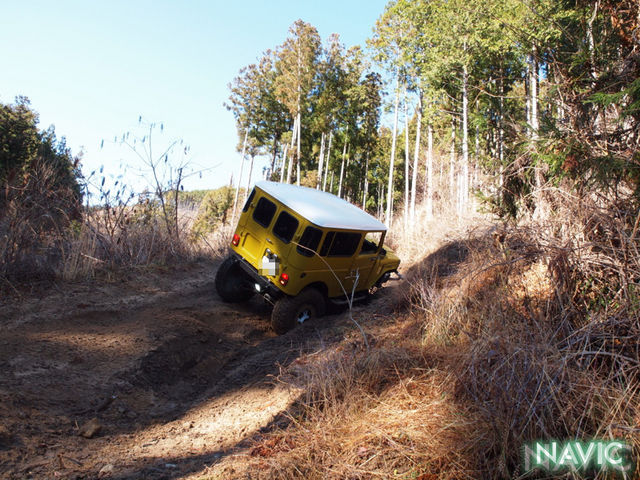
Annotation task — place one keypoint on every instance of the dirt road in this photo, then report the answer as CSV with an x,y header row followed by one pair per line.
x,y
162,376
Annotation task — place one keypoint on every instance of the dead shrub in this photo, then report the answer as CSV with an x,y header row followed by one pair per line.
x,y
36,211
45,235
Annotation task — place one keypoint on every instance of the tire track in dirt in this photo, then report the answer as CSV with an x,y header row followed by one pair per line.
x,y
176,378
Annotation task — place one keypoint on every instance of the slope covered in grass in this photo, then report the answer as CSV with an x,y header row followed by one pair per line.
x,y
499,336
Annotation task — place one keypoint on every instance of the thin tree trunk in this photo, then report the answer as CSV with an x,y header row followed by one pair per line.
x,y
407,155
591,42
465,137
298,152
246,193
592,61
476,159
326,170
344,156
389,215
235,200
460,199
533,87
293,143
273,156
320,160
527,90
380,199
452,161
501,134
283,167
366,182
416,156
540,209
429,181
331,184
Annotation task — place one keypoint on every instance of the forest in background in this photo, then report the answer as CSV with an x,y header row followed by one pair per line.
x,y
505,99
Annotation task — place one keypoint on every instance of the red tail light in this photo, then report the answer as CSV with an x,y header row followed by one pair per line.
x,y
236,240
284,279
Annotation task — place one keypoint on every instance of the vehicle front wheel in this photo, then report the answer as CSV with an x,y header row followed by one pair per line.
x,y
289,311
232,283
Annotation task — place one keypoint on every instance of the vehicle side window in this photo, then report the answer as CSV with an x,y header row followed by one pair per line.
x,y
371,243
247,204
264,212
345,244
310,239
285,227
327,243
368,247
340,244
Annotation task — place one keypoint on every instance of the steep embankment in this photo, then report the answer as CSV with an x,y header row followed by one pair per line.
x,y
497,338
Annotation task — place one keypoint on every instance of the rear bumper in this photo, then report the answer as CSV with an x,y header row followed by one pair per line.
x,y
266,288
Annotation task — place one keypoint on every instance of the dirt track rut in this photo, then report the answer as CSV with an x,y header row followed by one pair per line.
x,y
176,379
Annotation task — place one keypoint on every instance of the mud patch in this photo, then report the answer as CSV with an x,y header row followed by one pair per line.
x,y
182,366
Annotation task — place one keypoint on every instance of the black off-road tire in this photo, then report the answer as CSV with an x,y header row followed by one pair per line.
x,y
384,278
307,305
232,283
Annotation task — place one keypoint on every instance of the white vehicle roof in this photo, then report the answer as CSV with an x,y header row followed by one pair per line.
x,y
322,208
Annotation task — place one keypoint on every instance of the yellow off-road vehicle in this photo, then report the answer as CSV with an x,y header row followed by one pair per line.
x,y
301,248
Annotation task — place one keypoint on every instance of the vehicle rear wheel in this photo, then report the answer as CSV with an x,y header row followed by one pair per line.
x,y
289,311
232,283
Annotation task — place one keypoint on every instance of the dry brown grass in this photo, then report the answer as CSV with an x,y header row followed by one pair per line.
x,y
91,250
35,211
504,336
370,415
41,243
130,237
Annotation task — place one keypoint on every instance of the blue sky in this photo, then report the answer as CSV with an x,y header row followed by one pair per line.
x,y
92,68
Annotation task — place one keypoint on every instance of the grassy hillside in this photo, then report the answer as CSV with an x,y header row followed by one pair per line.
x,y
501,335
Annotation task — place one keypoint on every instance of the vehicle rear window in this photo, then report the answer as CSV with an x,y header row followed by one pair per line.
x,y
264,212
285,227
247,204
310,239
340,244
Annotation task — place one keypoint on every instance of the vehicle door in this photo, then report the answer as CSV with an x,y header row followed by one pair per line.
x,y
366,261
256,231
305,257
338,249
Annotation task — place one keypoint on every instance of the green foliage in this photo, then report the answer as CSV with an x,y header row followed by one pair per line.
x,y
40,195
255,106
19,136
331,89
24,150
296,66
214,210
192,197
583,53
